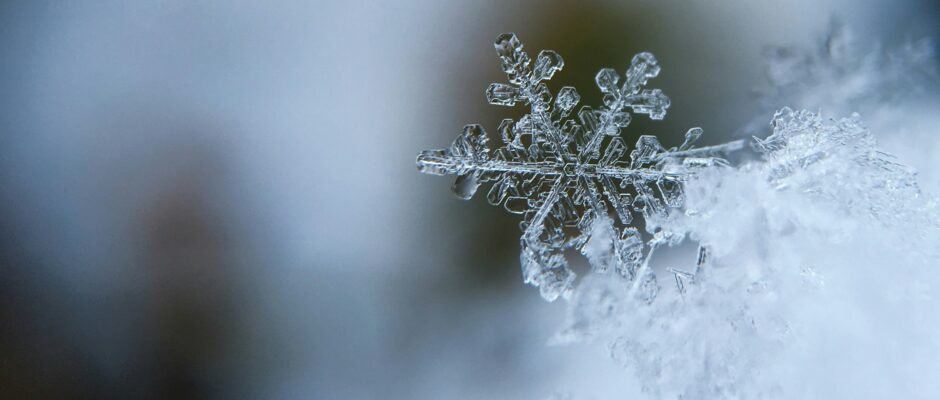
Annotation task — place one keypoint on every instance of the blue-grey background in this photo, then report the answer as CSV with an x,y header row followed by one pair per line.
x,y
218,199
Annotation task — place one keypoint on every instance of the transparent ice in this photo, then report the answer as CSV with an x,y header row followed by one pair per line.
x,y
566,174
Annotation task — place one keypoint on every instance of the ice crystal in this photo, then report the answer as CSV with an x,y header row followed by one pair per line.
x,y
838,161
566,175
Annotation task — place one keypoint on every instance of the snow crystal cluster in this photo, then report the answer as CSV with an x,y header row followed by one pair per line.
x,y
799,244
838,161
817,260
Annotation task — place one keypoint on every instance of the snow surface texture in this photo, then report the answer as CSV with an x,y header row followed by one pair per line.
x,y
820,276
817,266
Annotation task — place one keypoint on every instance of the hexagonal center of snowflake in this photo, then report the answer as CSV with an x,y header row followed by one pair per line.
x,y
570,170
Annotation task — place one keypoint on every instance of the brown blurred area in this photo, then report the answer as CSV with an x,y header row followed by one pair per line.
x,y
218,199
192,299
174,302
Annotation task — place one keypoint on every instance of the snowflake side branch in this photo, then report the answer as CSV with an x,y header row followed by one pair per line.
x,y
707,151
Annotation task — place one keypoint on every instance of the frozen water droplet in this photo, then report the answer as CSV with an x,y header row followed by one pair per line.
x,y
466,185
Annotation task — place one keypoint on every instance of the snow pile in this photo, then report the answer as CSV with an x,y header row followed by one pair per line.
x,y
819,281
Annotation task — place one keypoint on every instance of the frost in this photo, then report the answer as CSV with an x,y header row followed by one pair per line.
x,y
816,266
566,174
838,160
821,202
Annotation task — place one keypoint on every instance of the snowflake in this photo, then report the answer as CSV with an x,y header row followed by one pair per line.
x,y
569,177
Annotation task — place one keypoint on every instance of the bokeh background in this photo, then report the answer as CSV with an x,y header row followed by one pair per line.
x,y
218,199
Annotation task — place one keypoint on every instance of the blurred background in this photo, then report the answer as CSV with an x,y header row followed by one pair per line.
x,y
218,199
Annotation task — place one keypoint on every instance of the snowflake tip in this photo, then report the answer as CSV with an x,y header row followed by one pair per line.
x,y
607,79
509,49
546,64
642,68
